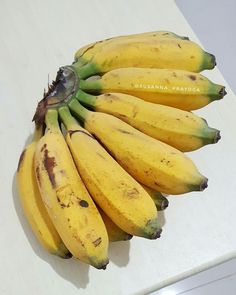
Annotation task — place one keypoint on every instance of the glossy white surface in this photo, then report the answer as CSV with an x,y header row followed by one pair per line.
x,y
36,38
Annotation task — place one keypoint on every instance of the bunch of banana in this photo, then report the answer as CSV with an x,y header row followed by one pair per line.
x,y
109,143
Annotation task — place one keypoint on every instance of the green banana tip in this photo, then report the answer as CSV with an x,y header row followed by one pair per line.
x,y
156,234
222,92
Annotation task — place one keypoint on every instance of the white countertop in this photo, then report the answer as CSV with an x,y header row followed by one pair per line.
x,y
36,37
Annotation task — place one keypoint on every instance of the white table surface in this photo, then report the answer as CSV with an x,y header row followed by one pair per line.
x,y
36,37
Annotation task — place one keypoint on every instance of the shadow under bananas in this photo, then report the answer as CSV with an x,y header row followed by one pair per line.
x,y
70,269
119,253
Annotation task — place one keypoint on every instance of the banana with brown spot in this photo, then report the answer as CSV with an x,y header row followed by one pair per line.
x,y
68,203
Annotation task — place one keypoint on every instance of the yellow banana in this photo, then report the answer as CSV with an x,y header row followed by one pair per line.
x,y
151,162
95,47
115,233
164,53
34,209
177,88
112,188
160,201
180,129
69,205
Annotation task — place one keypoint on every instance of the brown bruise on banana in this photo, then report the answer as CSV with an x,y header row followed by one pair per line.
x,y
130,193
110,97
193,77
37,172
49,164
97,242
21,160
43,147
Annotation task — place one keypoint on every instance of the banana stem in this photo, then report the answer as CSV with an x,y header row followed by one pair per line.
x,y
86,70
68,120
92,86
77,109
86,99
51,119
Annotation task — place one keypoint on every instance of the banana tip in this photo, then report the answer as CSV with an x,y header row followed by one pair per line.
x,y
217,136
156,234
222,92
164,204
67,255
128,237
213,60
102,265
204,184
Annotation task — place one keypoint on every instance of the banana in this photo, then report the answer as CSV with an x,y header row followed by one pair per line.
x,y
68,203
115,233
177,88
34,209
149,161
95,47
180,129
160,201
167,53
113,189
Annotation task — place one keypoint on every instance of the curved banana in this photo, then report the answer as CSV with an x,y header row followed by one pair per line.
x,y
31,201
115,233
95,47
180,129
164,53
177,88
112,188
68,203
151,162
160,201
